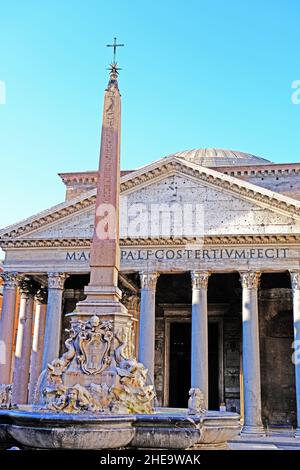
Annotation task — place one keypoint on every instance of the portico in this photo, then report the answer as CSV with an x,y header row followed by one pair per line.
x,y
196,299
209,279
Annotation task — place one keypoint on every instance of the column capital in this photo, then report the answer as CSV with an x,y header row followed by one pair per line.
x,y
250,279
200,279
295,280
10,279
41,295
130,299
148,279
56,280
28,287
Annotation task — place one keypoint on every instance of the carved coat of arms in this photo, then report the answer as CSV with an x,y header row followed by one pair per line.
x,y
94,341
94,347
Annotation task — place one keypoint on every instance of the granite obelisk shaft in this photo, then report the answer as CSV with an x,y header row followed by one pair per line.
x,y
103,294
105,252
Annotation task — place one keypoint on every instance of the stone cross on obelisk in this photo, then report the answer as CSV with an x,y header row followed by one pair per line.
x,y
103,295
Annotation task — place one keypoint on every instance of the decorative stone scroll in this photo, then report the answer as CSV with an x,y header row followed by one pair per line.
x,y
10,279
200,279
250,279
56,280
148,279
104,378
295,280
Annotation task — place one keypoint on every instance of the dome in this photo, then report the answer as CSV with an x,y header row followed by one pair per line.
x,y
220,157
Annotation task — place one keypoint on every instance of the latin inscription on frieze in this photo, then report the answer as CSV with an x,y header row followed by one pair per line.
x,y
210,254
204,254
77,256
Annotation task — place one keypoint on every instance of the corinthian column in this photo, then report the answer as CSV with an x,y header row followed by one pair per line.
x,y
23,344
295,280
38,340
53,317
7,325
251,358
199,359
147,322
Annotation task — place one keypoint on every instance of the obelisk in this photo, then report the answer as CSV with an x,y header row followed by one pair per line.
x,y
98,367
103,295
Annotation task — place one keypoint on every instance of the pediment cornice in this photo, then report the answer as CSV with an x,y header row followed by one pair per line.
x,y
76,243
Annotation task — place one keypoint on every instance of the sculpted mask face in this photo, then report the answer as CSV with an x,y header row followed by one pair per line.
x,y
94,321
72,395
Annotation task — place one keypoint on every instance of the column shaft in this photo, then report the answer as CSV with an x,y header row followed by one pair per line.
x,y
23,346
147,323
199,349
53,317
251,355
36,359
7,325
295,279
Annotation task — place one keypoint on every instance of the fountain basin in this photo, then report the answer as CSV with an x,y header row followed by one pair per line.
x,y
171,428
166,428
49,430
217,428
5,439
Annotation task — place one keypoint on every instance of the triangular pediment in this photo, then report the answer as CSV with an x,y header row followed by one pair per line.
x,y
180,205
229,205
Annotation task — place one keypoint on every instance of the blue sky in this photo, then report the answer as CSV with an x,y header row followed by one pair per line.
x,y
195,74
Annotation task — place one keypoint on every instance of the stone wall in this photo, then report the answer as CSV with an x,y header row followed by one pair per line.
x,y
159,359
277,369
286,183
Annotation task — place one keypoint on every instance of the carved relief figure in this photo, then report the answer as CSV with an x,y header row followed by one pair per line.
x,y
196,404
5,395
133,391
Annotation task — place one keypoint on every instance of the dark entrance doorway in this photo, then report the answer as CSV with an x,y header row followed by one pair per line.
x,y
213,366
180,364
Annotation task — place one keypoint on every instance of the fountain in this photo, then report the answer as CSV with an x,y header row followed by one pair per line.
x,y
97,395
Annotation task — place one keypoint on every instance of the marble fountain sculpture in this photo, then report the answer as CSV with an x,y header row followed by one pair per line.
x,y
97,395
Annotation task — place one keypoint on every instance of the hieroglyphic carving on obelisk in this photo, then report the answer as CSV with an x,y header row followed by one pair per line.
x,y
105,252
103,294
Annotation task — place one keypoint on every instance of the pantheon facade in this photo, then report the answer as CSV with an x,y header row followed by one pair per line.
x,y
210,272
